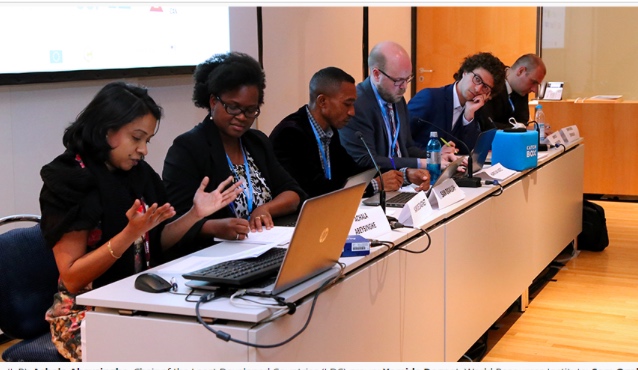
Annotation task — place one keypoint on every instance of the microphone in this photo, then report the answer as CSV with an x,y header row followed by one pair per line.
x,y
382,191
464,182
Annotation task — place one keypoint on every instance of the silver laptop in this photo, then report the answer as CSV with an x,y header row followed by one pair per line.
x,y
316,245
398,199
319,237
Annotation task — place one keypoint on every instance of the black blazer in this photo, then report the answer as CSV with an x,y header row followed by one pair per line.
x,y
200,152
500,110
297,150
368,120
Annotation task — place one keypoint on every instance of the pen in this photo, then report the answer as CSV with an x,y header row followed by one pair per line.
x,y
445,142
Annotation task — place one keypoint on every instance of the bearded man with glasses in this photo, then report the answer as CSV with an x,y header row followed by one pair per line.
x,y
381,118
456,108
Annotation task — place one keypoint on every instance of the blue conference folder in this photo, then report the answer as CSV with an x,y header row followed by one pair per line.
x,y
515,150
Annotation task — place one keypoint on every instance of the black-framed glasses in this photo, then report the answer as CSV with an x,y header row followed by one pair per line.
x,y
233,110
398,81
479,81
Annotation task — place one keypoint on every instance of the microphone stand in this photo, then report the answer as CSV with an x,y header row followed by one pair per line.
x,y
382,190
468,181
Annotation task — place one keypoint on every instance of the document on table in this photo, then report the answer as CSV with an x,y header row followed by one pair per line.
x,y
277,235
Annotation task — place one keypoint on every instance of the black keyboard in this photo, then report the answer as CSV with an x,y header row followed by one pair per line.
x,y
400,199
240,273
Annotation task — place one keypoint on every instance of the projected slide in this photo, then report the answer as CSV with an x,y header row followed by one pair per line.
x,y
72,37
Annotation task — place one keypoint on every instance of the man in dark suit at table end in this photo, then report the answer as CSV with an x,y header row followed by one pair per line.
x,y
524,77
307,142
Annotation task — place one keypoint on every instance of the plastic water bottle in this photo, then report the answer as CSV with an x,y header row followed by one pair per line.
x,y
433,158
539,117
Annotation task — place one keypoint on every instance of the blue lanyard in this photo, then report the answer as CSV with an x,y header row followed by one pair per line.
x,y
391,141
511,103
248,193
324,158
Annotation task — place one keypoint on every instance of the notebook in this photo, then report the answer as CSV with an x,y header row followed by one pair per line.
x,y
317,242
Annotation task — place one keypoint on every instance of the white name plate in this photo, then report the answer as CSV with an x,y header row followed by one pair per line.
x,y
370,222
498,172
570,134
555,138
446,194
566,135
415,211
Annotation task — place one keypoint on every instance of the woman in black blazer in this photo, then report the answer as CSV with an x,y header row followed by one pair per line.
x,y
231,88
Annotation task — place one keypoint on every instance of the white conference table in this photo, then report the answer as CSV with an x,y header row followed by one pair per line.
x,y
395,306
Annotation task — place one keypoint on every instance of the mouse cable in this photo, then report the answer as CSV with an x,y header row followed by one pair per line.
x,y
423,232
227,337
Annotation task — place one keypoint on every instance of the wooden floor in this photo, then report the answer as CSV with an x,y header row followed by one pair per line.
x,y
590,311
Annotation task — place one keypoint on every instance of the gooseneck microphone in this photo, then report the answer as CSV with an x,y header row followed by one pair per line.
x,y
382,191
464,182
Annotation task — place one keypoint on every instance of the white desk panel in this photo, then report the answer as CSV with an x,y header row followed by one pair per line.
x,y
354,320
556,205
422,299
158,338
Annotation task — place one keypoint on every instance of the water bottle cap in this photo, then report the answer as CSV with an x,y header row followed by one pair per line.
x,y
539,106
434,134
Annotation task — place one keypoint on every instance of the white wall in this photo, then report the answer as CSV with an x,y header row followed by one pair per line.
x,y
297,42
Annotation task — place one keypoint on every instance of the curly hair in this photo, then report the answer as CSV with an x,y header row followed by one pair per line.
x,y
115,105
488,62
226,72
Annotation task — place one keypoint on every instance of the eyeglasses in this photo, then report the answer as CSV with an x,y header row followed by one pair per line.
x,y
235,111
398,81
479,81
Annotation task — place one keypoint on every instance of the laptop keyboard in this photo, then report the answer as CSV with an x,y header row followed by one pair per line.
x,y
400,199
240,273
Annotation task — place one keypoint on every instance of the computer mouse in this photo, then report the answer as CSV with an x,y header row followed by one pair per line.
x,y
152,283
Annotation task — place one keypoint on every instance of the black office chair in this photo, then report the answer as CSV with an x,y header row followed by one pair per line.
x,y
28,281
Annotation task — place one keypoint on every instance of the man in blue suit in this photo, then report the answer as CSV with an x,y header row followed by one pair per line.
x,y
456,108
381,117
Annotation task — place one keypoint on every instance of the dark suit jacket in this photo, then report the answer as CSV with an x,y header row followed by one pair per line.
x,y
436,106
198,153
297,150
368,120
500,110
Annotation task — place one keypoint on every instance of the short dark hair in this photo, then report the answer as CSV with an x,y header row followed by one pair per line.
x,y
226,72
115,105
531,61
488,62
327,81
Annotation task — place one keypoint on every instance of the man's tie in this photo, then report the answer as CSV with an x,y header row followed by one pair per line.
x,y
457,130
393,128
